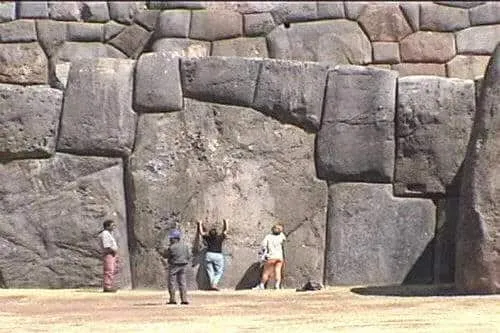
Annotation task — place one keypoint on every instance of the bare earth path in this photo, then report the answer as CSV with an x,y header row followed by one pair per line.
x,y
330,310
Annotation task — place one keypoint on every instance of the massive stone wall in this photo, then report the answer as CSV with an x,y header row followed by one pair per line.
x,y
164,113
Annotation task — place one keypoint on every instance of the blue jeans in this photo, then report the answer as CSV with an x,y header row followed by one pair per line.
x,y
214,263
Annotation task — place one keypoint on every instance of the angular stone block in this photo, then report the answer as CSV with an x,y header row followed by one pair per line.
x,y
384,52
240,47
424,46
177,4
23,63
182,47
205,163
333,42
132,40
224,80
72,51
97,114
375,238
478,40
157,83
51,35
18,31
353,9
411,11
460,4
384,23
124,11
258,24
32,9
52,211
85,32
214,25
406,69
64,10
433,121
29,119
290,11
489,13
7,11
478,230
174,23
330,9
467,67
356,139
111,29
147,18
291,92
443,18
95,11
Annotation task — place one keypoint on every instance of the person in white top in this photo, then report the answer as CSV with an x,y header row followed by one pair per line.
x,y
274,253
109,254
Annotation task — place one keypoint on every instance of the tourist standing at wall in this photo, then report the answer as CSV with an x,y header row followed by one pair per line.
x,y
214,258
178,256
110,256
274,251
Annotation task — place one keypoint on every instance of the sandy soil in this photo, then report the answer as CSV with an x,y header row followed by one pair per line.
x,y
330,310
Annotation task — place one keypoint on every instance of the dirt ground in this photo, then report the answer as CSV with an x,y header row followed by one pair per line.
x,y
330,310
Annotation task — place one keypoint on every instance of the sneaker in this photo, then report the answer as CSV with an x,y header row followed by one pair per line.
x,y
215,288
258,287
184,302
172,303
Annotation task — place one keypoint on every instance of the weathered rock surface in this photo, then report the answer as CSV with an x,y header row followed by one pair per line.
x,y
460,4
411,11
214,25
51,212
95,11
489,13
240,47
291,11
375,238
205,162
478,232
174,23
157,83
124,11
424,46
433,122
384,23
356,139
354,8
72,51
23,63
258,24
7,11
330,9
18,31
64,10
51,35
333,41
84,32
32,9
131,40
147,18
97,114
467,67
224,80
291,92
406,69
182,47
478,40
29,119
443,18
386,52
111,29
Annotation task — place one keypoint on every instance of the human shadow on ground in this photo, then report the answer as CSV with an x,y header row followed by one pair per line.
x,y
251,278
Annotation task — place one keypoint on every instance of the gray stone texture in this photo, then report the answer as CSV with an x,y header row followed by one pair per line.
x,y
111,29
290,11
51,35
185,162
443,18
18,31
7,11
95,11
64,10
444,240
84,32
131,40
72,51
374,238
173,23
124,11
224,80
460,4
384,22
147,18
386,52
411,11
333,41
407,69
214,25
291,92
258,24
176,4
467,67
478,231
330,9
353,9
157,83
97,114
433,121
182,47
29,119
489,13
356,139
426,46
52,211
478,40
241,47
32,9
23,63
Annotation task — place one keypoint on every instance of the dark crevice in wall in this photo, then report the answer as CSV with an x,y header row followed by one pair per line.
x,y
129,192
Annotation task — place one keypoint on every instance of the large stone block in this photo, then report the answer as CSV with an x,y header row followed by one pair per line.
x,y
411,11
205,163
51,35
173,23
132,40
375,238
111,29
97,114
291,11
64,10
353,9
478,40
330,9
95,11
241,47
407,69
85,32
424,46
7,11
478,231
72,51
176,4
467,67
214,25
442,18
182,47
124,11
147,18
489,13
460,4
52,211
32,9
258,24
334,41
157,83
356,139
18,31
291,92
434,118
224,80
384,23
23,63
29,119
386,52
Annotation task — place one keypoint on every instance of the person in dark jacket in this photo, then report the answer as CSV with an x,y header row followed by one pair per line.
x,y
214,259
178,256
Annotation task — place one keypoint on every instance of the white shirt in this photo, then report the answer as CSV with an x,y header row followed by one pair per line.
x,y
107,240
273,245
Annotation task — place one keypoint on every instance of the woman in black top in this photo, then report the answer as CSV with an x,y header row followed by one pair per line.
x,y
214,259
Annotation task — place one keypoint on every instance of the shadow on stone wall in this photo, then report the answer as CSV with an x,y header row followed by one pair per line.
x,y
251,278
